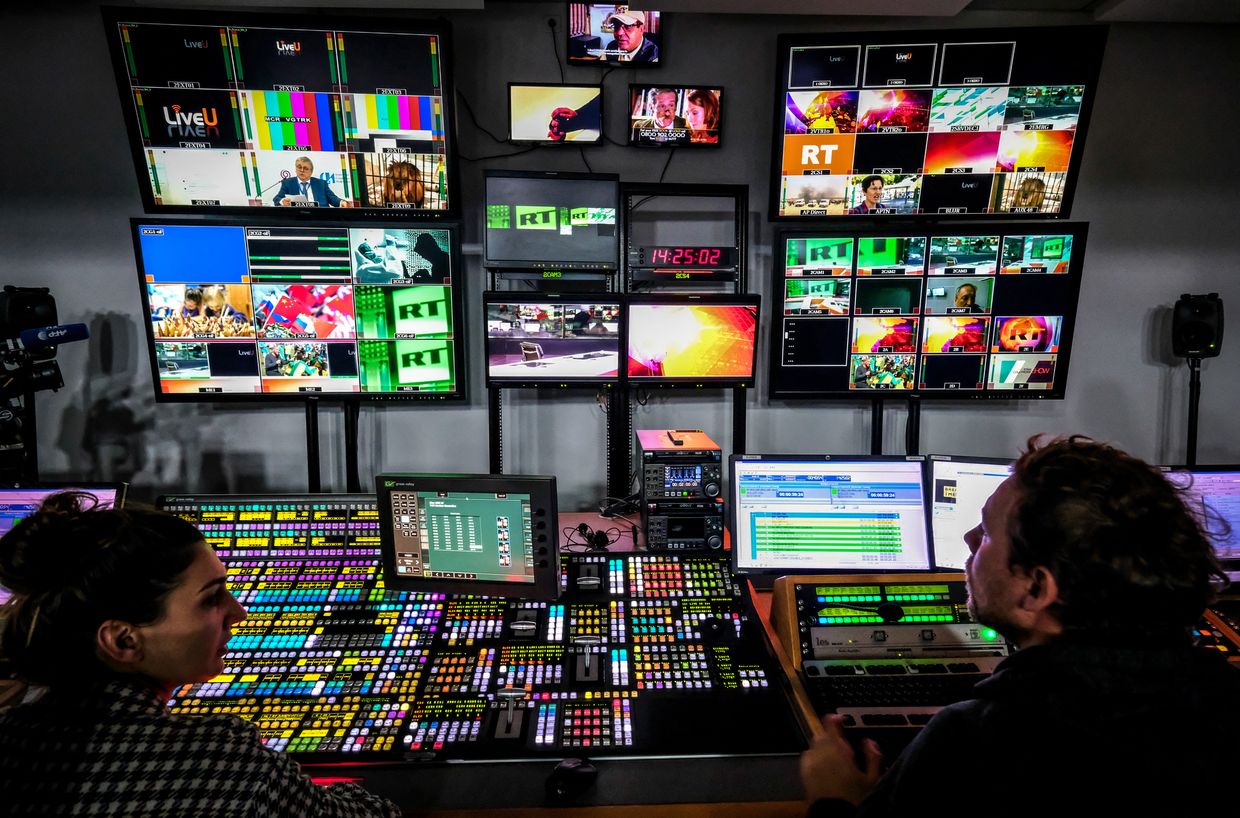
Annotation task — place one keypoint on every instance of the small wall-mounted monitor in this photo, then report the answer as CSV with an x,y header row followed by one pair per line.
x,y
252,311
552,221
675,116
615,34
692,340
813,514
470,534
327,117
555,114
959,486
552,340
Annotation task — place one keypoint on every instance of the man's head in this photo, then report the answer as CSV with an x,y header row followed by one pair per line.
x,y
664,105
966,295
1085,540
304,168
629,28
872,188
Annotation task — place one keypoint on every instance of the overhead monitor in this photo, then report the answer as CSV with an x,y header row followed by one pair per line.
x,y
675,116
807,514
985,311
692,340
683,235
1215,495
936,124
610,33
552,340
253,311
470,534
959,487
324,116
552,222
555,114
19,500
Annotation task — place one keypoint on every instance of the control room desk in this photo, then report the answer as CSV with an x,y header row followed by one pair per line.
x,y
673,786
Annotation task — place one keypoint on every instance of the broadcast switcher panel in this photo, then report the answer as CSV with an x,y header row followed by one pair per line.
x,y
641,654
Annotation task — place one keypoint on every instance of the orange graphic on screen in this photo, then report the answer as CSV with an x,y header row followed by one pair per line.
x,y
955,334
700,341
885,335
1034,150
832,153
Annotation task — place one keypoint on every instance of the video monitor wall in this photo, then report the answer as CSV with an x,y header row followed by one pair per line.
x,y
985,311
934,123
552,221
692,339
250,311
614,33
555,114
675,116
549,340
231,111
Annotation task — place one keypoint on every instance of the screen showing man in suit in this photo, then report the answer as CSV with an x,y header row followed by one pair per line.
x,y
306,189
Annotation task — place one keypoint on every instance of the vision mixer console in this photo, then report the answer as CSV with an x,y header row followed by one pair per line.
x,y
654,660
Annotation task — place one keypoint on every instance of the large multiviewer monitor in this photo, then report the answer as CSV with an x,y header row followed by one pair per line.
x,y
229,111
1215,492
797,514
470,534
552,221
260,311
979,311
959,487
552,340
19,500
940,124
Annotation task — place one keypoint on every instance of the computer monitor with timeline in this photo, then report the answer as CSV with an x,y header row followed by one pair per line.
x,y
812,514
1214,495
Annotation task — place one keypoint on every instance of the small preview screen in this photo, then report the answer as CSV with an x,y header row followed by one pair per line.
x,y
960,488
551,222
575,341
688,340
615,34
555,113
674,116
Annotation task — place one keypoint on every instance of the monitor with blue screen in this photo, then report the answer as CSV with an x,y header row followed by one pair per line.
x,y
819,513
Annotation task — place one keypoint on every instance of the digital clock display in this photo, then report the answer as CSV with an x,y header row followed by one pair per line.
x,y
689,256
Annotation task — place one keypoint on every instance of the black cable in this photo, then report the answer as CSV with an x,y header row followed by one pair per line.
x,y
582,151
670,154
469,109
555,47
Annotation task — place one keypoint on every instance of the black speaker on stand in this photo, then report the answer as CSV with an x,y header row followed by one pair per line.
x,y
1196,333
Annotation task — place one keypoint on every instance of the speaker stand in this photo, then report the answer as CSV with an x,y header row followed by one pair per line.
x,y
1194,404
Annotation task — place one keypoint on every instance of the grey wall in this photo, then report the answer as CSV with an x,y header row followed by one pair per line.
x,y
1158,187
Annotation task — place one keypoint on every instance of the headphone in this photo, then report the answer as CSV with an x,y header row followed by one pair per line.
x,y
589,538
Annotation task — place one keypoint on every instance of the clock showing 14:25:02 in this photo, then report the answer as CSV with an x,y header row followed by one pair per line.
x,y
679,256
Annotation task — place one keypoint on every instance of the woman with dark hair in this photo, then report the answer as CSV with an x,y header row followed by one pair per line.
x,y
702,113
403,184
112,611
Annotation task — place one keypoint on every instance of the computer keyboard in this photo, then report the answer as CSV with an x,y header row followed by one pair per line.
x,y
920,690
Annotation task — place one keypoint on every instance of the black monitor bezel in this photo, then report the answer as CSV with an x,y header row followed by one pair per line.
x,y
542,492
457,284
645,66
931,459
546,265
632,143
531,297
602,121
681,299
1079,232
733,485
438,26
1096,35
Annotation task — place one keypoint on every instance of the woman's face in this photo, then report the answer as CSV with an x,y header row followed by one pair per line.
x,y
697,116
187,644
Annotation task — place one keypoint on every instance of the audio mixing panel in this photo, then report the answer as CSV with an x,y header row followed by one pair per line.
x,y
641,658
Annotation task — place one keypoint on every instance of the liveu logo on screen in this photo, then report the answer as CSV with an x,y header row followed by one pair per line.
x,y
200,124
